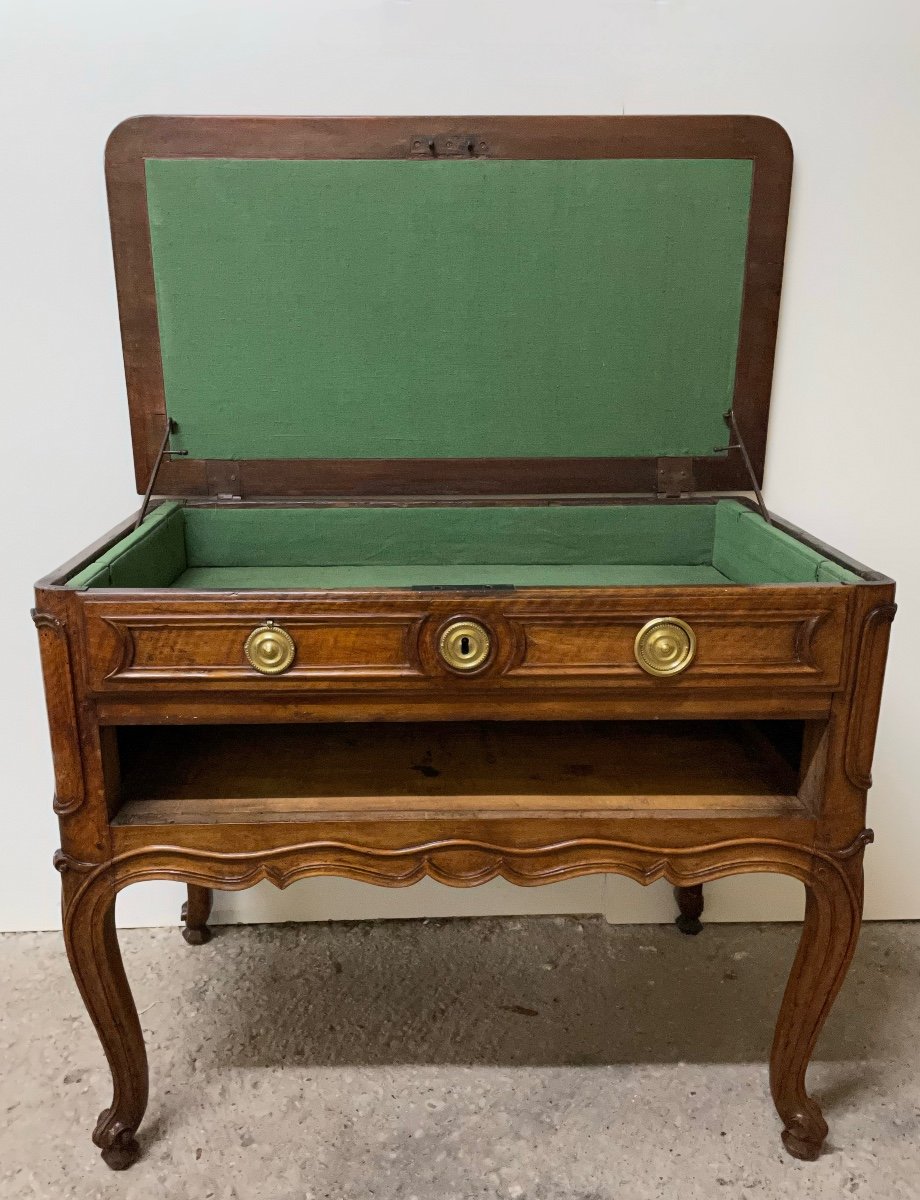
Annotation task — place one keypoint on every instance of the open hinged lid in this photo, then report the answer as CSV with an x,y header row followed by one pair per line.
x,y
481,305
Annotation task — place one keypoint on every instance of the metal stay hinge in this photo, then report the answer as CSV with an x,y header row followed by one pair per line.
x,y
163,452
737,443
675,477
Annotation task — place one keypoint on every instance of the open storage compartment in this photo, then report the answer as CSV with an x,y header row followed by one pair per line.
x,y
589,545
202,774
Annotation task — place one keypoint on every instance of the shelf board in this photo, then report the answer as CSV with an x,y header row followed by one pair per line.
x,y
252,773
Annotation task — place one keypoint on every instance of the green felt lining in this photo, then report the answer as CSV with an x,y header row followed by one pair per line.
x,y
748,550
479,575
548,545
448,309
152,555
540,535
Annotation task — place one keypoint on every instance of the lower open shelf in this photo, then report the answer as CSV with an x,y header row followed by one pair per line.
x,y
412,770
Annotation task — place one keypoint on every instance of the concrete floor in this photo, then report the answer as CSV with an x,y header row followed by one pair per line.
x,y
536,1059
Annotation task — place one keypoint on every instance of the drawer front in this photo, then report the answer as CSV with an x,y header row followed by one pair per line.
x,y
126,648
798,648
790,638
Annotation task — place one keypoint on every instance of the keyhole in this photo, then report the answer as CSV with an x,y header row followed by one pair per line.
x,y
464,645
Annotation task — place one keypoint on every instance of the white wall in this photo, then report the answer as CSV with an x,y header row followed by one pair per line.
x,y
842,76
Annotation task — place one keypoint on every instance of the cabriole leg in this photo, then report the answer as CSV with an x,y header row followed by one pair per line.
x,y
690,902
833,912
195,913
95,959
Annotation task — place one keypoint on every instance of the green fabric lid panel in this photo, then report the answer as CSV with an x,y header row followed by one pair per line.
x,y
541,535
448,309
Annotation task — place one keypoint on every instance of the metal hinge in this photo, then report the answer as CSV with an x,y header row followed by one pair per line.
x,y
448,145
737,443
163,452
223,476
675,476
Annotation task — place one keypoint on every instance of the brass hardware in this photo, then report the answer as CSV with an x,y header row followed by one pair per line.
x,y
464,645
269,649
665,646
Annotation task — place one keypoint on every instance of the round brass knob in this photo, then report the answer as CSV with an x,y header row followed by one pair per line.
x,y
269,649
464,645
665,646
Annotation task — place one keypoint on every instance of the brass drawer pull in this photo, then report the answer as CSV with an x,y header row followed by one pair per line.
x,y
269,649
665,646
464,645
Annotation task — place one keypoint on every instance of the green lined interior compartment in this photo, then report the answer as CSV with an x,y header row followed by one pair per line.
x,y
448,309
153,555
455,546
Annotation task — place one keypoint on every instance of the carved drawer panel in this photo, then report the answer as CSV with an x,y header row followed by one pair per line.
x,y
126,648
654,640
788,646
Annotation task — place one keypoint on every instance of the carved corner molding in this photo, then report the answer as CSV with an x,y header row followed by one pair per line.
x,y
805,639
64,862
57,667
43,620
858,843
863,718
124,637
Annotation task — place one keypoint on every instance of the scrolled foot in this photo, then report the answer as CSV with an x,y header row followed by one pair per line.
x,y
195,913
806,1151
690,902
116,1141
195,935
804,1138
690,925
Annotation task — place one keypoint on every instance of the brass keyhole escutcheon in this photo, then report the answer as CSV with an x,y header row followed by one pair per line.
x,y
464,645
269,649
665,646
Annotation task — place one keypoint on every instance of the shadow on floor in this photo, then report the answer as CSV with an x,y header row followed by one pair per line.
x,y
550,991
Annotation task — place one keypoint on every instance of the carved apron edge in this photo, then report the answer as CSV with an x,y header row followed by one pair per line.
x,y
467,863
